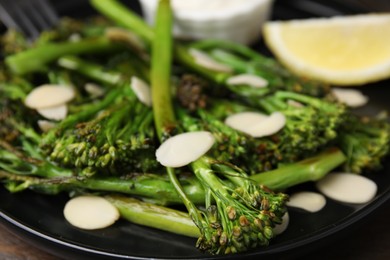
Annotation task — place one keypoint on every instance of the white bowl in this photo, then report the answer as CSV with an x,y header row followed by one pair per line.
x,y
235,20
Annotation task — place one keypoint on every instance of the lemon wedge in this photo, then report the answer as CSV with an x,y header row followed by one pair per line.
x,y
341,50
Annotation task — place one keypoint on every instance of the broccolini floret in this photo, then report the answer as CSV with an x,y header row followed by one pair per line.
x,y
365,141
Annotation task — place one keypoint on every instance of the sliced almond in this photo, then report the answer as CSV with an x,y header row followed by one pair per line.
x,y
309,201
74,37
54,113
141,90
248,79
117,34
347,187
94,89
185,148
244,120
203,59
294,103
49,96
257,124
350,97
279,229
46,125
90,212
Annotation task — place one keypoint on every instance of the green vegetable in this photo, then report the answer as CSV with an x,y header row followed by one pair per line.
x,y
155,216
365,142
238,57
247,61
309,127
113,135
36,59
106,145
243,215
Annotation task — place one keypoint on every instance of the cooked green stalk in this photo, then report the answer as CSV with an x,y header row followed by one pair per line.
x,y
132,65
161,71
310,169
19,166
151,215
37,58
120,14
164,116
91,70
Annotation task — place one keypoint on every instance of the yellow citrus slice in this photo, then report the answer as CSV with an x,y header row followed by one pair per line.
x,y
343,50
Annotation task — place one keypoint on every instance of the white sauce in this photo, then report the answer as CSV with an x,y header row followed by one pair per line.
x,y
347,187
309,201
185,148
205,5
233,20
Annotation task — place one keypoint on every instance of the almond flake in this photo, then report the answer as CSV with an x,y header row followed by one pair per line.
x,y
185,148
347,187
203,59
350,97
49,96
309,201
90,212
141,90
54,113
248,79
257,124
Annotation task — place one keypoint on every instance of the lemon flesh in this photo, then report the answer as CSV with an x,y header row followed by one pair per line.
x,y
345,50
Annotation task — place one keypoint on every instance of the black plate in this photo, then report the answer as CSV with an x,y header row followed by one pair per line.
x,y
39,218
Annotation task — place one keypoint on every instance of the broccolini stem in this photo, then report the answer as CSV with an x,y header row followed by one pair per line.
x,y
149,186
20,164
92,70
35,59
161,93
151,215
161,71
156,187
310,169
121,15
